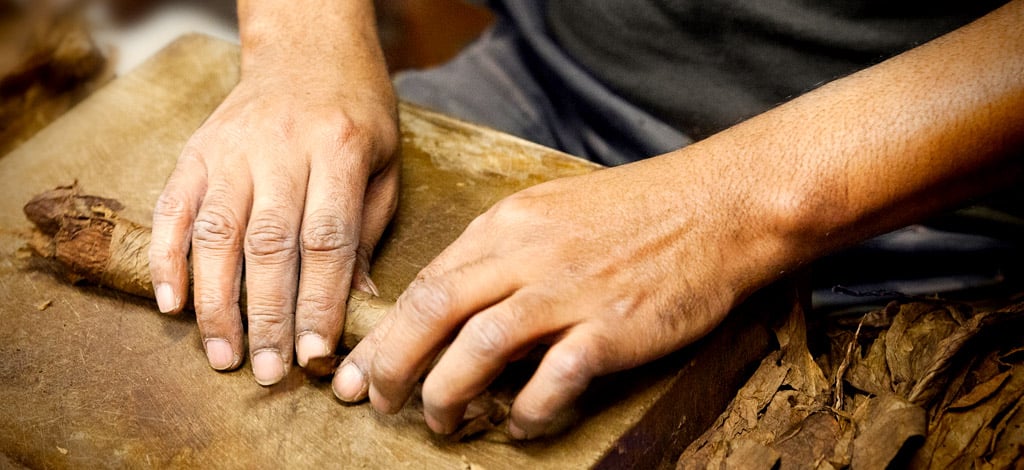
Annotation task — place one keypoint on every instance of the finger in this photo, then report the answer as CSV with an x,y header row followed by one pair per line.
x,y
329,239
426,314
486,343
350,383
379,207
173,215
563,374
272,268
217,269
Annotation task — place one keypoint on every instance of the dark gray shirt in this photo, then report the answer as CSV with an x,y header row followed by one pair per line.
x,y
702,66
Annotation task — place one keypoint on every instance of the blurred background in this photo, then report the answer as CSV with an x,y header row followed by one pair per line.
x,y
53,53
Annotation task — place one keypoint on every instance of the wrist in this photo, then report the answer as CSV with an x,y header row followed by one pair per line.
x,y
325,38
735,211
769,219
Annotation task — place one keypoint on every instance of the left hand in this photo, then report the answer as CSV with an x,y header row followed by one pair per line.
x,y
614,269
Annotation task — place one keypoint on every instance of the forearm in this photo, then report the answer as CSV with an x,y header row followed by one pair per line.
x,y
881,148
322,41
624,265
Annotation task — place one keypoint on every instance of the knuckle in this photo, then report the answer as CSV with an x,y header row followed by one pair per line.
x,y
387,370
269,236
514,207
486,337
440,396
264,303
171,205
344,130
513,211
571,366
283,126
326,233
320,303
192,152
480,222
429,300
338,131
161,254
268,317
530,304
531,412
214,311
215,228
267,328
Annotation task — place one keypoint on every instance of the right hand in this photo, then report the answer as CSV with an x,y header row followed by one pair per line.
x,y
297,174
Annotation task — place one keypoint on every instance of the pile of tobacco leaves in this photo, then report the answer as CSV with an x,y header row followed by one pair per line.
x,y
921,384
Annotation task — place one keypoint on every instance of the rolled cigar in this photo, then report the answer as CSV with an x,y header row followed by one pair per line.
x,y
85,236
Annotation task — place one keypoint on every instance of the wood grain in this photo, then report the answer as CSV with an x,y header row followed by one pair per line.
x,y
92,378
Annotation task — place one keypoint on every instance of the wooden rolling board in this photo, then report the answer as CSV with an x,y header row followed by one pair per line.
x,y
93,378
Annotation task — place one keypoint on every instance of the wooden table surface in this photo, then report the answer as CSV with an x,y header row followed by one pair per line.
x,y
92,378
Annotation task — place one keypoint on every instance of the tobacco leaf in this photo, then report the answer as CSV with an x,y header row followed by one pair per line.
x,y
743,415
939,386
747,453
814,442
980,393
885,426
779,409
989,430
485,413
871,373
1007,446
753,399
911,346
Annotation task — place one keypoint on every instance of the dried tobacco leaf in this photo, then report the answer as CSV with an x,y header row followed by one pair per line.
x,y
747,453
942,387
781,408
813,442
871,373
980,393
885,426
913,340
1007,447
974,433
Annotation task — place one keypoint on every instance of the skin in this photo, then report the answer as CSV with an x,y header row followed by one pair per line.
x,y
300,162
619,267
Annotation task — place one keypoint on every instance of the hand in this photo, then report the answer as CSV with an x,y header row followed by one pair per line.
x,y
613,269
624,265
297,174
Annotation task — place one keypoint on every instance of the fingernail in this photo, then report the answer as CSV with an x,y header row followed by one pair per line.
x,y
349,383
165,299
370,285
433,424
436,425
267,367
219,354
381,402
308,346
516,432
365,284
